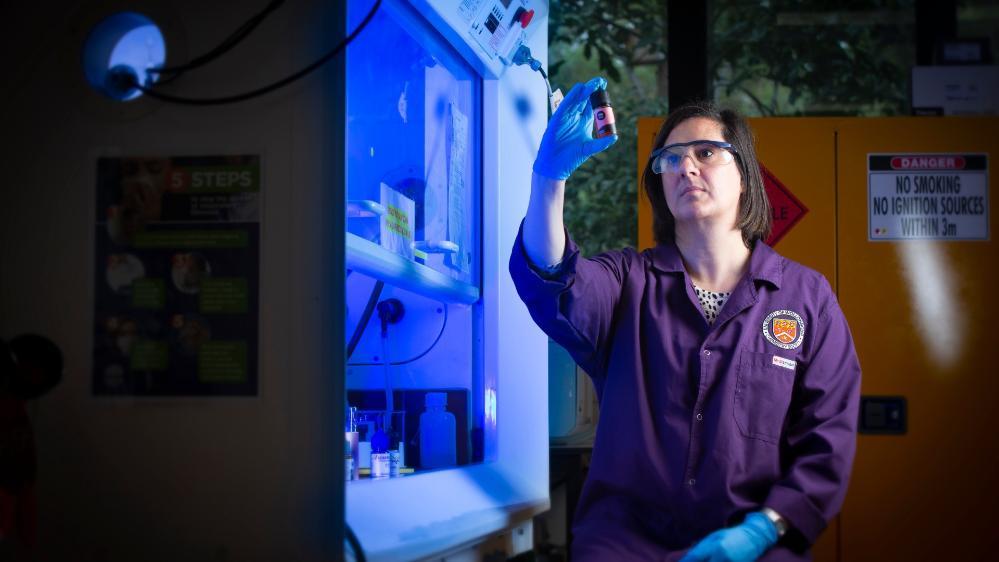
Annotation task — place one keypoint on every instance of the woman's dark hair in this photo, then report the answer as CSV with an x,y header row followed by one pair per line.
x,y
754,207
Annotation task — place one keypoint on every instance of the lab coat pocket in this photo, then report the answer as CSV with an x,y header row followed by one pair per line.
x,y
762,396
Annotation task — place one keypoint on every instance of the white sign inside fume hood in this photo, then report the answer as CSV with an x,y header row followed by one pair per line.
x,y
458,231
398,224
927,197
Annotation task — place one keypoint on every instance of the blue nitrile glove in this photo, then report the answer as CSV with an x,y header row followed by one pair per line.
x,y
568,140
742,543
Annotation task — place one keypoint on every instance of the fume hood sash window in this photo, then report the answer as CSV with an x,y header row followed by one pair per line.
x,y
413,159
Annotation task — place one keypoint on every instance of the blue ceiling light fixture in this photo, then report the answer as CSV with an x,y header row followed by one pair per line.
x,y
120,52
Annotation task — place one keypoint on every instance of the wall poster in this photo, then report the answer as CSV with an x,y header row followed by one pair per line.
x,y
177,278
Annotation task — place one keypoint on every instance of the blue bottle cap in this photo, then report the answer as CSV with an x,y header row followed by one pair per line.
x,y
379,441
435,399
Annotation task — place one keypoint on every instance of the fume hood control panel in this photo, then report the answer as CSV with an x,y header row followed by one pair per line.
x,y
494,28
500,26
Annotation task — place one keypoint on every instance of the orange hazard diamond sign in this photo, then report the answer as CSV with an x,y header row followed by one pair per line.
x,y
787,210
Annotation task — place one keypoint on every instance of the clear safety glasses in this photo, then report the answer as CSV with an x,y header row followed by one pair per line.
x,y
703,153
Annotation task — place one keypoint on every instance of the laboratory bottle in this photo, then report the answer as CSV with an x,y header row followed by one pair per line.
x,y
437,433
379,455
352,437
603,114
348,460
394,463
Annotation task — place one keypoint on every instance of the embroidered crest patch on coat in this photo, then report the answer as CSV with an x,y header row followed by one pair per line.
x,y
784,328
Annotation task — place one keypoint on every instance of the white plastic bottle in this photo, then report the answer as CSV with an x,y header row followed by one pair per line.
x,y
437,433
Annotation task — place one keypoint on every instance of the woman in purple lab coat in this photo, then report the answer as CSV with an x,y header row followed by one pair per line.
x,y
726,374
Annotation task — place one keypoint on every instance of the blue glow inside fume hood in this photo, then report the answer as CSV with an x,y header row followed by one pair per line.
x,y
414,113
438,146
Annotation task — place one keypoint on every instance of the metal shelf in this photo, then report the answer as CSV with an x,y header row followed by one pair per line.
x,y
371,259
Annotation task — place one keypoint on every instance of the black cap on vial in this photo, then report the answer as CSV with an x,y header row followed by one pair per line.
x,y
599,98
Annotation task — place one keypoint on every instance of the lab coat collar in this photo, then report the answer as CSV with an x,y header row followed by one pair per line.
x,y
764,262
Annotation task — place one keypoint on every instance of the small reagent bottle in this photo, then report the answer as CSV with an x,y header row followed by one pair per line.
x,y
437,433
603,114
379,455
348,460
394,463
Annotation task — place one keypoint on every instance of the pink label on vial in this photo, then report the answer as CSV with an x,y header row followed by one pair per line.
x,y
604,116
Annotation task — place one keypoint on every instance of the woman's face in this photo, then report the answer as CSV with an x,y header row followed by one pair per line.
x,y
696,192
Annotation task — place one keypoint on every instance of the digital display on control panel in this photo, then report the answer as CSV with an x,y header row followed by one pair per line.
x,y
492,23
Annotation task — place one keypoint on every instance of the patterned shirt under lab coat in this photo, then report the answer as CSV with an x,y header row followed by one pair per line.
x,y
701,424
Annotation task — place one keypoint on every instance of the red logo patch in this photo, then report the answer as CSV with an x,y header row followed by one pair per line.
x,y
785,330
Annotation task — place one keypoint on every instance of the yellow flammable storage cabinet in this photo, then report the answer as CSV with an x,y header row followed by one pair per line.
x,y
896,213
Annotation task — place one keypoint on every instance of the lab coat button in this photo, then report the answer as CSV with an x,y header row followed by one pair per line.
x,y
691,482
700,417
707,353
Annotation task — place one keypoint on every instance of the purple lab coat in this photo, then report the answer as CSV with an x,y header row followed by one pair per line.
x,y
701,424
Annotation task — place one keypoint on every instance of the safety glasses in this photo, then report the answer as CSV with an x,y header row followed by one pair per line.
x,y
703,153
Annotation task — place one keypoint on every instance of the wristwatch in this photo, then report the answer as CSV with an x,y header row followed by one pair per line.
x,y
777,520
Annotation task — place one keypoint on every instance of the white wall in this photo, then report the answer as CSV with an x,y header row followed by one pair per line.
x,y
178,479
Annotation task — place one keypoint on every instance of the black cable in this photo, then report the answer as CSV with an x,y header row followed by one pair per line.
x,y
242,32
132,81
236,37
523,56
551,95
365,318
411,359
354,543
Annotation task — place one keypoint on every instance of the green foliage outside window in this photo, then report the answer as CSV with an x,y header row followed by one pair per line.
x,y
625,43
812,57
766,58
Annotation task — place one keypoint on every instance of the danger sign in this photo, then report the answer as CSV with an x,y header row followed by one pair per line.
x,y
786,208
928,197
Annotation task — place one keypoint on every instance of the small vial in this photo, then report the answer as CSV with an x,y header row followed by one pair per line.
x,y
379,455
379,465
603,114
348,460
352,437
393,463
